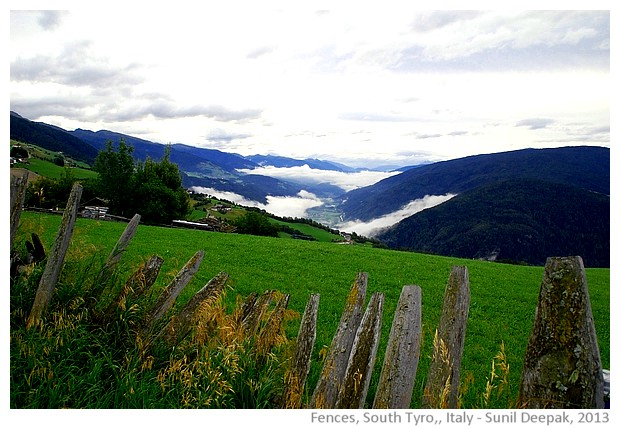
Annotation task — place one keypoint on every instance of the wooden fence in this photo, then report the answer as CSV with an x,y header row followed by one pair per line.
x,y
562,366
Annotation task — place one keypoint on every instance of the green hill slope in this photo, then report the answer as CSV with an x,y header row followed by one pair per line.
x,y
517,220
503,297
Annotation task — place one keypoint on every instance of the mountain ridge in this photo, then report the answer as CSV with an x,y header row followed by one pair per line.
x,y
583,166
517,220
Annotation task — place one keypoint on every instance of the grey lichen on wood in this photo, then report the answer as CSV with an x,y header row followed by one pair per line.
x,y
18,196
268,334
361,363
254,309
181,323
136,285
172,291
402,354
56,257
295,378
115,255
326,391
562,364
441,390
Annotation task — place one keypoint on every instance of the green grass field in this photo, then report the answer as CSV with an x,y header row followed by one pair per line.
x,y
49,169
503,297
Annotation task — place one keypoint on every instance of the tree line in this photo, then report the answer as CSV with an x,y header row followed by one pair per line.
x,y
151,188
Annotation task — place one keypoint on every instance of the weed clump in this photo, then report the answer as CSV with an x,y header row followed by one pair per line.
x,y
90,350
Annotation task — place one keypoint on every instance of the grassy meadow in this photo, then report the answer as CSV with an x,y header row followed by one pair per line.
x,y
503,297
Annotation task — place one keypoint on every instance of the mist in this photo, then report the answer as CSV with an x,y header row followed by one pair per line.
x,y
375,226
347,181
278,205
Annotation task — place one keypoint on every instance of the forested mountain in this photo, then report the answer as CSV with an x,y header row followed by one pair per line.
x,y
282,161
518,220
583,167
51,138
199,167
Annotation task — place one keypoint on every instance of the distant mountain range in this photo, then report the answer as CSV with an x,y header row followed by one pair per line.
x,y
520,206
51,138
200,167
585,167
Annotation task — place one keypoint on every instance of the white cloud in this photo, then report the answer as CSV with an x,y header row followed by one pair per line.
x,y
270,75
295,207
305,174
375,226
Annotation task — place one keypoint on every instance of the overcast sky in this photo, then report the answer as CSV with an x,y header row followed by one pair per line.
x,y
359,85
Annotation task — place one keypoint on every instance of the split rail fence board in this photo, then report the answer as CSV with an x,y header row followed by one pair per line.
x,y
18,196
269,332
56,257
362,359
254,309
172,291
295,379
118,250
562,365
400,364
137,284
442,385
180,324
326,391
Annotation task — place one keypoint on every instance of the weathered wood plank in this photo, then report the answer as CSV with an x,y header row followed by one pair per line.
x,y
441,390
327,388
18,196
172,291
363,353
562,365
56,257
268,335
400,364
295,378
180,324
137,284
115,255
254,310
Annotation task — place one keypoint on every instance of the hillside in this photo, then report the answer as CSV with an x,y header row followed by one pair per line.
x,y
519,220
583,167
503,297
51,138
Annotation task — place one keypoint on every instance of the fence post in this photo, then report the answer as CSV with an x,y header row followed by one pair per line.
x,y
117,251
363,353
562,365
170,293
56,257
254,310
402,354
179,325
138,283
442,385
18,196
326,391
295,378
273,327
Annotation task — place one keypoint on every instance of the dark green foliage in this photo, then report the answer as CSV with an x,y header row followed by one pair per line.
x,y
53,193
255,223
59,160
519,220
116,169
19,152
157,191
150,188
